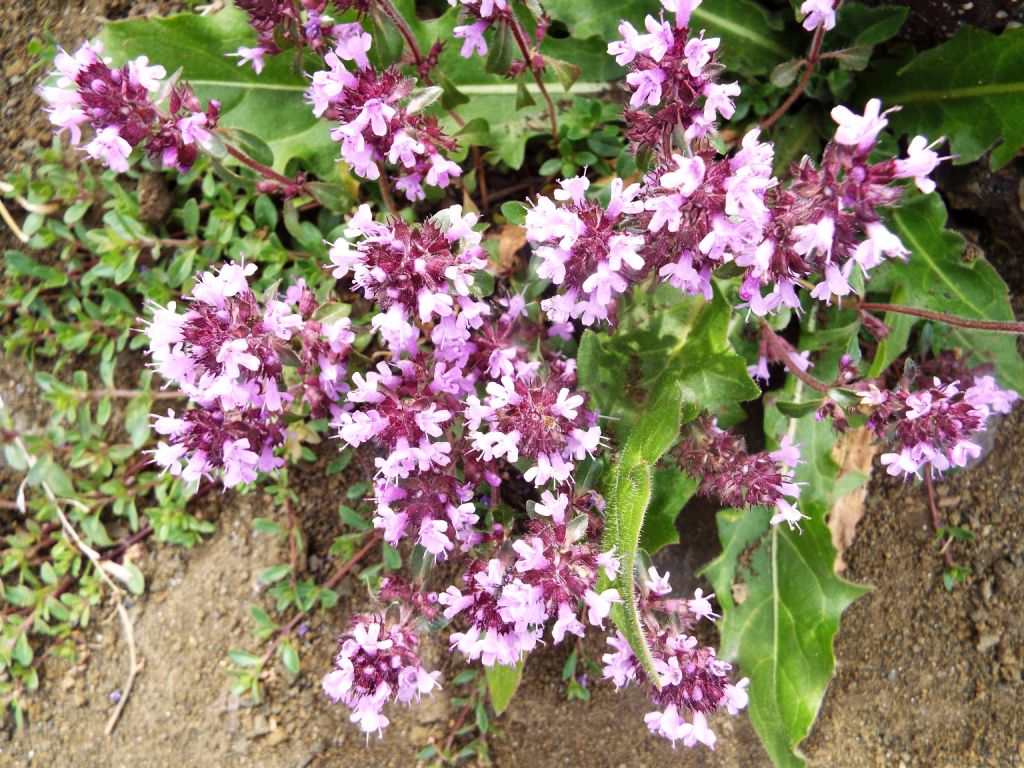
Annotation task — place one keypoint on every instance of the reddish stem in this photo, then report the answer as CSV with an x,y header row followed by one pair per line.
x,y
813,57
520,36
942,317
263,170
337,576
779,348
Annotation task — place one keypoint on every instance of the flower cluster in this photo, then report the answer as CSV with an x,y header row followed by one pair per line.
x,y
692,680
933,426
375,120
378,662
412,271
539,419
735,478
120,105
586,248
225,353
553,575
675,72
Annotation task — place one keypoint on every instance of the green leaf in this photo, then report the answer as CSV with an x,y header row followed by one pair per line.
x,y
752,40
269,105
939,278
628,495
664,337
970,90
290,658
499,54
502,683
672,489
860,25
274,573
782,632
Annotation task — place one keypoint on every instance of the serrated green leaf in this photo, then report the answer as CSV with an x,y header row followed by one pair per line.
x,y
970,90
939,278
502,683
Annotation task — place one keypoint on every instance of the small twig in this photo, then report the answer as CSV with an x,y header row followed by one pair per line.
x,y
101,568
458,724
385,191
813,57
403,28
6,216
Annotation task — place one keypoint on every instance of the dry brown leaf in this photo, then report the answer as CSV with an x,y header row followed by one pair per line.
x,y
511,240
854,453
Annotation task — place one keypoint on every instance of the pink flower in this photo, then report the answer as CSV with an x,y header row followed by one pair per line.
x,y
818,13
860,131
921,160
646,87
109,147
252,56
472,36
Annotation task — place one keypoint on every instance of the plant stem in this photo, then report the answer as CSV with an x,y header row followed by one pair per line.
x,y
520,36
163,394
779,348
385,190
813,57
934,512
410,39
942,317
264,170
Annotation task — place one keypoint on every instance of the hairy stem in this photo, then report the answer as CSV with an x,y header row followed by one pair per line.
x,y
263,170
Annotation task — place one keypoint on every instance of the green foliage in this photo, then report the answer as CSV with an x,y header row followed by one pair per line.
x,y
753,41
269,105
782,632
502,684
939,277
969,90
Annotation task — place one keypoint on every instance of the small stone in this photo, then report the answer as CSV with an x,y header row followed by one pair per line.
x,y
988,640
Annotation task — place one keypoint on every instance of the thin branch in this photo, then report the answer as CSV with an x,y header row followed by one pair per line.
x,y
779,347
403,28
102,568
942,317
385,190
813,57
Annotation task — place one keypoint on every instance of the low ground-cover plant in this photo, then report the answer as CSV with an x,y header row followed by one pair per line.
x,y
536,424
